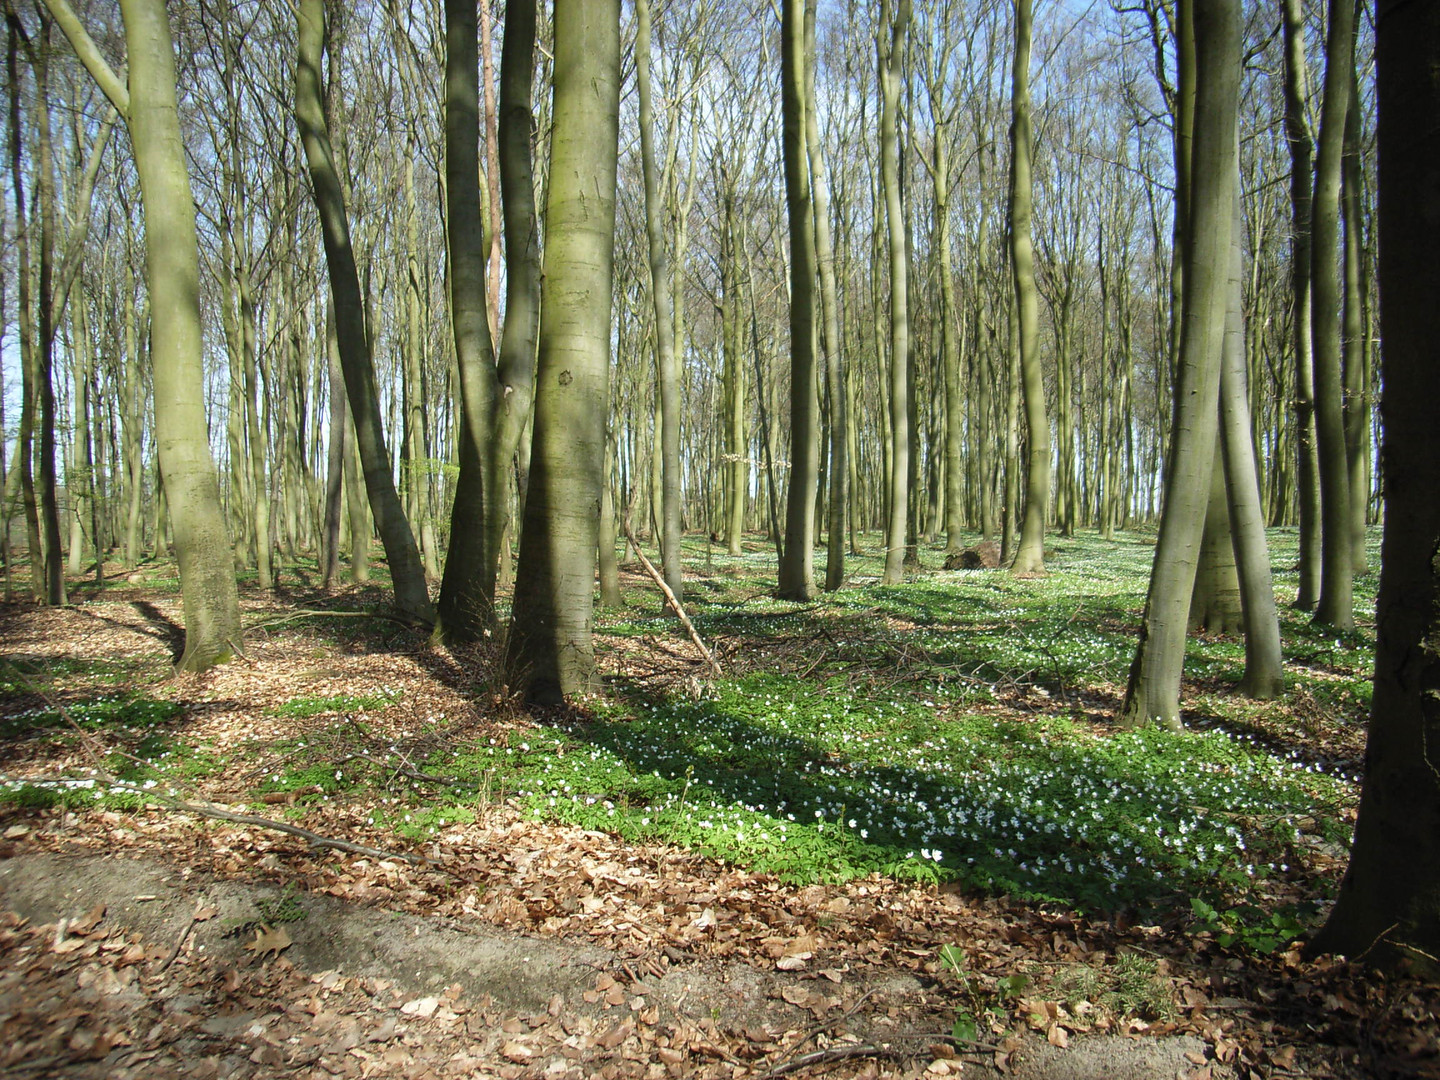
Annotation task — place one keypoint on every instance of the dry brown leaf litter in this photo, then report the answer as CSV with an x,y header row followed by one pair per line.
x,y
655,908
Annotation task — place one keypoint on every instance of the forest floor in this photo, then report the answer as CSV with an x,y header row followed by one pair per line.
x,y
899,836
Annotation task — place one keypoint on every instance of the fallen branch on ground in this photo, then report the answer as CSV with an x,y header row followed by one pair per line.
x,y
673,601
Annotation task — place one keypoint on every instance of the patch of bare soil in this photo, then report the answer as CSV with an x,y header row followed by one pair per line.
x,y
156,943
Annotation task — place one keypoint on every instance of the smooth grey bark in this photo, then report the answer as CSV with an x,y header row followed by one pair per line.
x,y
667,362
1336,606
830,339
172,265
412,598
1153,692
1387,912
1301,144
890,34
1030,548
1356,347
495,391
550,652
1264,676
797,561
334,456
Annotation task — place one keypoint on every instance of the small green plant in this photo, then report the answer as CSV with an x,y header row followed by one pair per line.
x,y
307,705
1247,926
285,908
1132,986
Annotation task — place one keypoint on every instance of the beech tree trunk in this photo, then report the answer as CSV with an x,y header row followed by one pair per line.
x,y
1153,693
550,653
412,598
1388,909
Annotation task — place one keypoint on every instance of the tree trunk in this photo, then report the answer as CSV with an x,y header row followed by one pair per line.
x,y
172,265
1388,909
1215,596
839,469
407,572
495,396
1297,134
797,563
667,362
550,651
1264,667
1030,550
335,456
1356,348
1153,693
890,35
1336,607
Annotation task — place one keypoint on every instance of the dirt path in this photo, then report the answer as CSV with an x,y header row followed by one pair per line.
x,y
363,991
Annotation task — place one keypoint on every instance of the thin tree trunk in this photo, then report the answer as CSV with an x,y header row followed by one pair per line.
x,y
406,570
667,362
1336,606
890,35
1030,550
1297,134
839,469
797,563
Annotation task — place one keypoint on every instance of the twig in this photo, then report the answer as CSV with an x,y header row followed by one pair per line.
x,y
834,1054
673,601
92,748
180,941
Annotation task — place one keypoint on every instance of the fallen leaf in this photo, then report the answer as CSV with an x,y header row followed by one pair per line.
x,y
423,1007
269,940
89,922
1056,1037
791,963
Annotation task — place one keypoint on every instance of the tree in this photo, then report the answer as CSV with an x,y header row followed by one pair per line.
x,y
667,362
549,649
797,561
1388,909
202,544
412,597
494,396
890,35
1030,550
1153,693
1336,605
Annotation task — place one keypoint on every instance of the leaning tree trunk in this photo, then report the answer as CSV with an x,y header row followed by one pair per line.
x,y
1388,909
1030,550
1153,693
412,598
1336,607
550,652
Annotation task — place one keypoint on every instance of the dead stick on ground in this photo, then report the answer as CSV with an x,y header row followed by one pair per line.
x,y
94,751
673,601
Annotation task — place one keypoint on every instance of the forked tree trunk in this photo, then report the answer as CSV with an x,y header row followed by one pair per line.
x,y
1153,693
